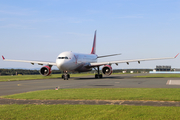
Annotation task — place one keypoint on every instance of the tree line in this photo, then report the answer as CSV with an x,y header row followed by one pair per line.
x,y
36,72
23,72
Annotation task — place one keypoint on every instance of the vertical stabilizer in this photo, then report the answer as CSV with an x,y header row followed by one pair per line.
x,y
94,45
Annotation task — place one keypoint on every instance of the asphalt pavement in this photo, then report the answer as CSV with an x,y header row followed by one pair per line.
x,y
114,81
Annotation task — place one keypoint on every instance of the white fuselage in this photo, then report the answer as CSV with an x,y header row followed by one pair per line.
x,y
75,62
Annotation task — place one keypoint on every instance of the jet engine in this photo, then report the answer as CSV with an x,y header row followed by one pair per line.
x,y
45,70
107,70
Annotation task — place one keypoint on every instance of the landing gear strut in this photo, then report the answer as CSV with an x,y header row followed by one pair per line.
x,y
98,75
65,75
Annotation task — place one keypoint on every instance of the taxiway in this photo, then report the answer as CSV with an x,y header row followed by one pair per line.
x,y
114,81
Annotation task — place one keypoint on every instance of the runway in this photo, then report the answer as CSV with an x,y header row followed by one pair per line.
x,y
114,81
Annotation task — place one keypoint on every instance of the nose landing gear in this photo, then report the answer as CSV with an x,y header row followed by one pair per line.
x,y
65,75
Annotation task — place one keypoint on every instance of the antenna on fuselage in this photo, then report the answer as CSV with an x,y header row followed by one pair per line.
x,y
94,44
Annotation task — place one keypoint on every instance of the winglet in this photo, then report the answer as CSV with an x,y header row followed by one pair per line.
x,y
176,55
3,58
94,45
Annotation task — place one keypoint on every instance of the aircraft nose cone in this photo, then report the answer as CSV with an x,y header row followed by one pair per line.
x,y
62,65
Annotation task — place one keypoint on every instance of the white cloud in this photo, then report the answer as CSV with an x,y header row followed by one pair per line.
x,y
94,11
77,34
16,26
11,13
132,16
2,19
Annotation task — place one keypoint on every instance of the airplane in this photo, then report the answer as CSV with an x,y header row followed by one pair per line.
x,y
77,62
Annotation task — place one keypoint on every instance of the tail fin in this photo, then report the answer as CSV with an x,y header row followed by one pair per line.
x,y
94,45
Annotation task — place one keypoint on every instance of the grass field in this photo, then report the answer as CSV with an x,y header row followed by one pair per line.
x,y
54,76
161,94
33,77
88,112
94,112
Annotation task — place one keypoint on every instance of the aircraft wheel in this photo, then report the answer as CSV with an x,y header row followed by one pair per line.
x,y
100,76
68,76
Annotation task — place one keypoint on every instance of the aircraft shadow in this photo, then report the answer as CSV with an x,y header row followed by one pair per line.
x,y
92,78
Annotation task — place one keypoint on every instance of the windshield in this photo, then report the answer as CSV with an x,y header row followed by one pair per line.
x,y
62,57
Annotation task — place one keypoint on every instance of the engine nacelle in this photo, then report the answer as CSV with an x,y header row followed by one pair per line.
x,y
107,70
45,70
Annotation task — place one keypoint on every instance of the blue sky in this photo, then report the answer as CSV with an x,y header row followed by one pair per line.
x,y
42,29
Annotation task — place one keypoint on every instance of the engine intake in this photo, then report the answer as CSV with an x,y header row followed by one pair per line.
x,y
107,70
45,70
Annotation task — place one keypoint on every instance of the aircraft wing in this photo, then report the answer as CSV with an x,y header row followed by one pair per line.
x,y
32,62
127,61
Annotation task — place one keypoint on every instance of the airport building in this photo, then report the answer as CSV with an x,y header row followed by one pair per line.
x,y
163,68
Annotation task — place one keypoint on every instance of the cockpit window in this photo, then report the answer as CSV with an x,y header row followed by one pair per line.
x,y
62,57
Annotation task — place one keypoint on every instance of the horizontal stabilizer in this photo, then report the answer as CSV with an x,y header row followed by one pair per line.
x,y
109,55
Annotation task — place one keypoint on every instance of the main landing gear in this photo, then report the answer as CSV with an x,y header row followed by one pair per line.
x,y
65,75
98,75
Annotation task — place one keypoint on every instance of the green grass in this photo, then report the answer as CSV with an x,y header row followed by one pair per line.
x,y
54,76
160,76
160,94
94,112
87,112
33,77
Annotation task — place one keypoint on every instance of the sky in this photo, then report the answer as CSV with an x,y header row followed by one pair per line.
x,y
42,29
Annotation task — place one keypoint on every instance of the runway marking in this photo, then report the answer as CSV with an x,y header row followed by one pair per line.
x,y
173,82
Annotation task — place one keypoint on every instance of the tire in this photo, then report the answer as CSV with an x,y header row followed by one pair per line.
x,y
96,75
62,76
68,76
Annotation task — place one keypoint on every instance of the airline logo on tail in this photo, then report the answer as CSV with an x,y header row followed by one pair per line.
x,y
94,45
